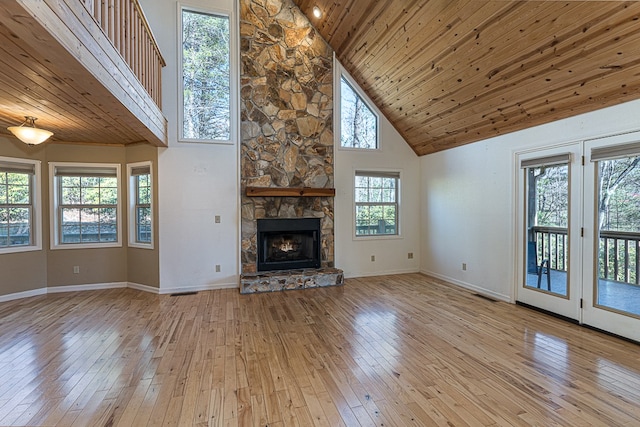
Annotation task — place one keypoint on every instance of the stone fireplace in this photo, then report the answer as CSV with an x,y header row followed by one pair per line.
x,y
286,132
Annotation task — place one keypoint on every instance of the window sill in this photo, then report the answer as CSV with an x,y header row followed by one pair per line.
x,y
141,245
378,237
360,149
19,249
206,141
64,246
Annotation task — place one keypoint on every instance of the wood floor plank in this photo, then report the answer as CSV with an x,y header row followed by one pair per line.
x,y
394,350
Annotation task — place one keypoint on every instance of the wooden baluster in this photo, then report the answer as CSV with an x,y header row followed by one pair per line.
x,y
116,19
637,246
605,258
615,259
97,7
104,13
131,35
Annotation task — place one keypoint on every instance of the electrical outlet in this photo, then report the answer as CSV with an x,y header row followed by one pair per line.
x,y
373,258
76,269
410,255
217,219
464,266
217,268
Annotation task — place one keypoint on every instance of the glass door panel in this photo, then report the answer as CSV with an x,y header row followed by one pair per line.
x,y
617,285
612,235
547,208
549,194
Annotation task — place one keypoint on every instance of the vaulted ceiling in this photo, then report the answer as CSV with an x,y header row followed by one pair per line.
x,y
450,72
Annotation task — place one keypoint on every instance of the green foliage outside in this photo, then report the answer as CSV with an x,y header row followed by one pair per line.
x,y
376,205
552,196
89,209
15,209
143,208
618,212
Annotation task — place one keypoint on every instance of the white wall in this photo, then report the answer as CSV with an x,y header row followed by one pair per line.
x,y
196,181
468,204
353,255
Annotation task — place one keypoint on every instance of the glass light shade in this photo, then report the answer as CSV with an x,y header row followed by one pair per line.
x,y
28,133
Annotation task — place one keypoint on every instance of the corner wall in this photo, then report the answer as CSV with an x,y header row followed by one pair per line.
x,y
468,204
33,272
143,264
25,272
353,254
196,181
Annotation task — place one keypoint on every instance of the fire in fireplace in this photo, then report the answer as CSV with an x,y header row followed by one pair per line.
x,y
288,243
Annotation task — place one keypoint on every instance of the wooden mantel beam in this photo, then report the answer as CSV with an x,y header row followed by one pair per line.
x,y
290,192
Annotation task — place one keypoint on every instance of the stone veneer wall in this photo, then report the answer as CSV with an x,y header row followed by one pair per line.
x,y
287,119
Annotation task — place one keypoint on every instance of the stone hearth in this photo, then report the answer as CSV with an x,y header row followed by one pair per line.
x,y
291,279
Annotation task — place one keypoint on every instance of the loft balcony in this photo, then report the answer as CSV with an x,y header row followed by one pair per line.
x,y
89,70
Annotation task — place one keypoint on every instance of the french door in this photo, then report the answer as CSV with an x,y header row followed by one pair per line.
x,y
549,218
579,232
612,235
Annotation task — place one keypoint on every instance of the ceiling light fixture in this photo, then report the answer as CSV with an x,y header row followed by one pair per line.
x,y
28,133
317,12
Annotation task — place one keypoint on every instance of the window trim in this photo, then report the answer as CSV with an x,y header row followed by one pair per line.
x,y
388,173
233,74
340,72
132,223
54,194
36,210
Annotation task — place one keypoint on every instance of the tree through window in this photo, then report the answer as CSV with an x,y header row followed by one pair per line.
x,y
376,203
85,204
206,78
16,203
358,123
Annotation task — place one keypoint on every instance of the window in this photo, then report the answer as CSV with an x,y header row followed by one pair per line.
x,y
376,196
85,205
206,77
20,223
140,205
358,122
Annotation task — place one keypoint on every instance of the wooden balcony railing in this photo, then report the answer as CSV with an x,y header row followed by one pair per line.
x,y
125,25
619,256
619,253
551,244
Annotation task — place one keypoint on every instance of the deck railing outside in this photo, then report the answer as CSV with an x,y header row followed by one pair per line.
x,y
551,244
619,252
124,23
619,256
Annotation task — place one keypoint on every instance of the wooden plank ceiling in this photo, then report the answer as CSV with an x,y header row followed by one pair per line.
x,y
40,77
450,72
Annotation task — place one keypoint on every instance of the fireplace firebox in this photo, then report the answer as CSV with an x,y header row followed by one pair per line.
x,y
288,243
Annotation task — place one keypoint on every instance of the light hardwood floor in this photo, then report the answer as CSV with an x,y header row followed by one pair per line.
x,y
386,351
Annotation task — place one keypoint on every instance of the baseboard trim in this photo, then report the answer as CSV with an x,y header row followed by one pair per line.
x,y
25,294
469,286
143,288
353,275
89,287
113,285
198,288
